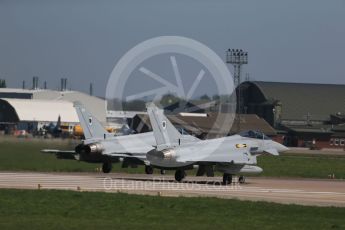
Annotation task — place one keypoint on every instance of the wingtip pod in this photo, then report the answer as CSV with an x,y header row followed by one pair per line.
x,y
45,150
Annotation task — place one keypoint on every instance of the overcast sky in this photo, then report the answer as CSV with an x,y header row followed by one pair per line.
x,y
288,41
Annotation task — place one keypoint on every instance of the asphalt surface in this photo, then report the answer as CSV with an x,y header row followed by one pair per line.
x,y
287,191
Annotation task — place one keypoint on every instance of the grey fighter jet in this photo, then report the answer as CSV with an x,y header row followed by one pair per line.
x,y
230,155
100,146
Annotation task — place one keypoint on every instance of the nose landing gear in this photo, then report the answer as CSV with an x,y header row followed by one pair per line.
x,y
227,178
106,167
148,169
180,175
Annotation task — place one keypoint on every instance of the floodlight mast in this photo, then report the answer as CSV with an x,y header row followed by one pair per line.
x,y
237,57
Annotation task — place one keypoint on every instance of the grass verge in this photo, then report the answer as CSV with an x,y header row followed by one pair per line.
x,y
46,209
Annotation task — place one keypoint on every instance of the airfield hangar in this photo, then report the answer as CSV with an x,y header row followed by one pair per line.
x,y
304,115
24,109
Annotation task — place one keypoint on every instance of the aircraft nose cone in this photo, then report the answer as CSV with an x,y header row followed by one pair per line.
x,y
281,148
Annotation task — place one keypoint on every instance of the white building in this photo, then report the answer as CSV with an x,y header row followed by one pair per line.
x,y
31,114
95,105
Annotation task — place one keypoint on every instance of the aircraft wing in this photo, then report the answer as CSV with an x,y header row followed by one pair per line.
x,y
57,151
71,154
61,154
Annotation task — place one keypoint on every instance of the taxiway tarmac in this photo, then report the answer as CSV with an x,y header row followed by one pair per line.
x,y
287,191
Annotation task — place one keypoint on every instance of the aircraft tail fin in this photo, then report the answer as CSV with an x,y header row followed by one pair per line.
x,y
92,128
165,133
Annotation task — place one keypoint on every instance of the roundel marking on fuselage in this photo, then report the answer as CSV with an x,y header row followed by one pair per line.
x,y
164,124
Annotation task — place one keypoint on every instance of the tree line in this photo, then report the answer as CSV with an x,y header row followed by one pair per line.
x,y
165,101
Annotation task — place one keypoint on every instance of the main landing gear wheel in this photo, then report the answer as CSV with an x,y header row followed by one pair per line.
x,y
227,178
106,167
180,175
148,169
241,179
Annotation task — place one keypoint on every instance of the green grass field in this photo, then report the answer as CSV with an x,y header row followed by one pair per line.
x,y
22,209
298,165
25,155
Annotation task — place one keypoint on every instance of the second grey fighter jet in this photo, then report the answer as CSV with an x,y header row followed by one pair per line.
x,y
230,155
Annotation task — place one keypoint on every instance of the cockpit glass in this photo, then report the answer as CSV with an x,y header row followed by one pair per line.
x,y
254,134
